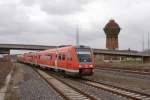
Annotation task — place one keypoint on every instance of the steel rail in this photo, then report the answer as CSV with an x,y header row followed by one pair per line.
x,y
66,91
126,71
135,95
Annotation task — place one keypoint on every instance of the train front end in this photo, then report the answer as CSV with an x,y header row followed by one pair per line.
x,y
85,59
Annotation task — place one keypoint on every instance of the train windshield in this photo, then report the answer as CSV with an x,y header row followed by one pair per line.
x,y
84,56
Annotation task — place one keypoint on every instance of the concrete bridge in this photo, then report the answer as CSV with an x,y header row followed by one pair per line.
x,y
100,53
24,47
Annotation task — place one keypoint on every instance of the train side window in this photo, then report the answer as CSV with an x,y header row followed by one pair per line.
x,y
59,56
49,57
63,57
69,57
52,57
56,55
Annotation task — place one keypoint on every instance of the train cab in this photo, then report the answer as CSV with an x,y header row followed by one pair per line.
x,y
85,59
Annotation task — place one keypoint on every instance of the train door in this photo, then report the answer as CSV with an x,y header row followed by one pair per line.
x,y
38,59
63,60
49,59
56,59
35,59
68,60
53,59
59,60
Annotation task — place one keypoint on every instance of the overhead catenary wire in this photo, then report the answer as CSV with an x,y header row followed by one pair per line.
x,y
77,35
143,43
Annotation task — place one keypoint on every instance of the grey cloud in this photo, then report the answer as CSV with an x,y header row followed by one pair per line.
x,y
17,27
58,7
62,6
13,19
29,2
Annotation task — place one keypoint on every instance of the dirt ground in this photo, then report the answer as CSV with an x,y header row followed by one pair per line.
x,y
5,68
13,91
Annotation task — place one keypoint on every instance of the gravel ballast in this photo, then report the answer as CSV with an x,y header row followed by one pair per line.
x,y
33,87
126,80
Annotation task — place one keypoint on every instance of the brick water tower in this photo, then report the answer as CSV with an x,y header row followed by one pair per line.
x,y
112,30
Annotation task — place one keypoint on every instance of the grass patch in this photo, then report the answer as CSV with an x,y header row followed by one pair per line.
x,y
132,66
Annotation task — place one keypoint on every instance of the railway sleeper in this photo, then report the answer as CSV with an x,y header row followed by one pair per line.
x,y
63,89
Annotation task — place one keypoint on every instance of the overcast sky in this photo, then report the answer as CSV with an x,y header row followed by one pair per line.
x,y
54,22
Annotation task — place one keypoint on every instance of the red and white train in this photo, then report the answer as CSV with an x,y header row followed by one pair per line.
x,y
76,60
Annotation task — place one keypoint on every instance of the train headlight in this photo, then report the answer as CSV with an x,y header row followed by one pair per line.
x,y
80,66
91,65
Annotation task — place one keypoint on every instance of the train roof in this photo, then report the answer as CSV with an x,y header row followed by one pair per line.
x,y
82,46
61,47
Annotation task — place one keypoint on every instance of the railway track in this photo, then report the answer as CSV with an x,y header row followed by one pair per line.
x,y
66,91
126,71
118,91
78,89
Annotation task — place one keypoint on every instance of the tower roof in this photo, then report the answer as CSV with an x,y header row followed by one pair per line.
x,y
112,27
112,24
